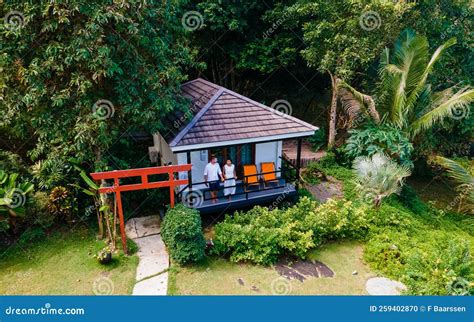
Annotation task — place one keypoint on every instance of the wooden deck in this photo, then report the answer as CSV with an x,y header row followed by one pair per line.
x,y
307,154
275,192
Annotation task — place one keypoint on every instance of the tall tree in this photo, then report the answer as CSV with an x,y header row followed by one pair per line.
x,y
344,37
76,75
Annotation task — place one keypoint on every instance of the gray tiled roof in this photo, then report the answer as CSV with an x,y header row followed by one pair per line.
x,y
219,114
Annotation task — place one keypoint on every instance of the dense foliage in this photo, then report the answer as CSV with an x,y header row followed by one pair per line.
x,y
182,233
261,235
79,79
428,249
372,139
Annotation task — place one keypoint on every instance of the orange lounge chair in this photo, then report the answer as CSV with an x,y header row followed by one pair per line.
x,y
250,176
268,172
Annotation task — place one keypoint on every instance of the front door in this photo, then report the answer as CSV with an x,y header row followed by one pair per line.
x,y
239,154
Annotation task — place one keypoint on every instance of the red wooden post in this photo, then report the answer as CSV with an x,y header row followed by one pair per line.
x,y
145,184
122,220
171,180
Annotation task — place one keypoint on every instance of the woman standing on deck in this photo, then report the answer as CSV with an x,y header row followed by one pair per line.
x,y
229,176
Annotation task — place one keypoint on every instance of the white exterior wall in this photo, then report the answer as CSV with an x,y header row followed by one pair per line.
x,y
268,152
161,146
199,159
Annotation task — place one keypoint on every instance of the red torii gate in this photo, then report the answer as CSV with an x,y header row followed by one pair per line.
x,y
116,175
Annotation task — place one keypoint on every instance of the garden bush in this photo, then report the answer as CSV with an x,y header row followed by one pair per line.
x,y
261,235
182,233
384,139
428,262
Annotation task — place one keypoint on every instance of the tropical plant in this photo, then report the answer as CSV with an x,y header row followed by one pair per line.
x,y
378,177
62,203
101,204
373,139
407,99
464,177
13,197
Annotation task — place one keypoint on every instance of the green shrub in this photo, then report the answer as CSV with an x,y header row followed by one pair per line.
x,y
384,139
182,233
262,235
37,211
429,263
338,219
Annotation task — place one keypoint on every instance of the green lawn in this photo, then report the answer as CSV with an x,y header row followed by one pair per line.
x,y
62,264
221,277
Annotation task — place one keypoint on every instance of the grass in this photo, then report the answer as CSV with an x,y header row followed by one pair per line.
x,y
218,276
62,264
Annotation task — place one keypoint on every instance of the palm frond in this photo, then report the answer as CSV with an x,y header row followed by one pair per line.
x,y
355,102
420,83
456,171
444,105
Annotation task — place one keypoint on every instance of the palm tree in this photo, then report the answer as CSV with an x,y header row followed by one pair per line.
x,y
465,179
378,177
405,100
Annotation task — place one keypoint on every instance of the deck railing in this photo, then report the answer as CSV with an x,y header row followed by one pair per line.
x,y
287,174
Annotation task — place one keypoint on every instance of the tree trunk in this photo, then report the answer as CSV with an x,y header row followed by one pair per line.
x,y
333,112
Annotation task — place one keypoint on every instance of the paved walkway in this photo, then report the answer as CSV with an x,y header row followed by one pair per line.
x,y
152,274
384,286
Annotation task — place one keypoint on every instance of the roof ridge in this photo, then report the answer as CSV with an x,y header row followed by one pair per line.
x,y
197,117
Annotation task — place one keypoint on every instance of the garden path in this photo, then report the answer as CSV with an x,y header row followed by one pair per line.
x,y
152,270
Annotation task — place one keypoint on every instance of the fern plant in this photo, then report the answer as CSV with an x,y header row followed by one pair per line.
x,y
378,177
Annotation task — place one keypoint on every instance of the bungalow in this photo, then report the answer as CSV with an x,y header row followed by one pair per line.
x,y
225,124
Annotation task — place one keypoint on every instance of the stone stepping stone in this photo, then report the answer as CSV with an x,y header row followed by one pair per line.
x,y
301,270
143,226
152,275
384,286
157,285
153,258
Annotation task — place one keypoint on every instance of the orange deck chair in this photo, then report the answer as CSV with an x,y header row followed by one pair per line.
x,y
250,177
268,172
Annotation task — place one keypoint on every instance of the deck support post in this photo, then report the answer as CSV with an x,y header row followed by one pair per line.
x,y
190,175
298,163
